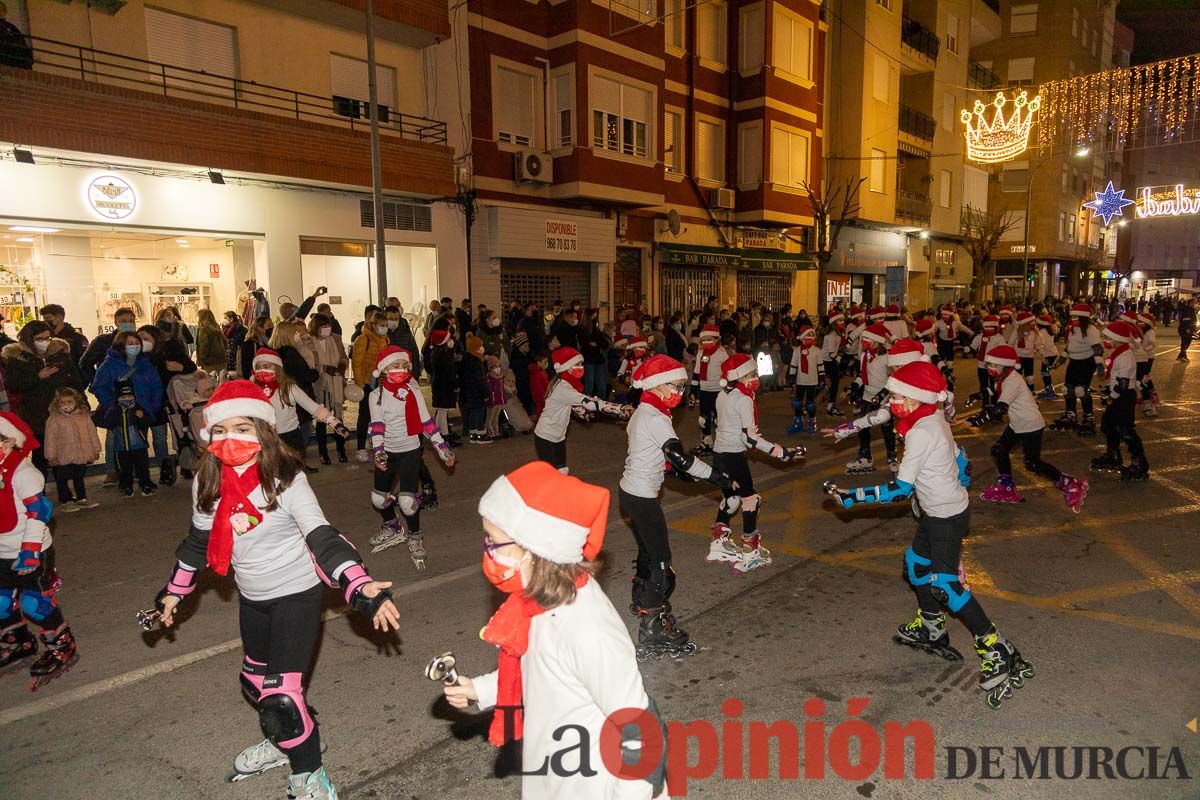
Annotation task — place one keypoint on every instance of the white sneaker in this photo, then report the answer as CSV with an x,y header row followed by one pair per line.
x,y
68,507
256,759
311,786
753,559
389,534
363,456
723,549
86,503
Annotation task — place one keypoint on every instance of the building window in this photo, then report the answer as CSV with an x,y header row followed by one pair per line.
x,y
564,109
1062,226
349,81
1013,176
1023,19
1087,33
673,142
753,39
885,4
881,78
750,155
1074,23
878,165
792,44
710,31
710,151
1066,180
514,105
674,23
620,117
952,33
944,188
948,108
1020,69
1070,229
789,157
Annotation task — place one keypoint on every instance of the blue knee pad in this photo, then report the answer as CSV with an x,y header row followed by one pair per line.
x,y
956,595
911,562
810,409
796,405
8,603
35,605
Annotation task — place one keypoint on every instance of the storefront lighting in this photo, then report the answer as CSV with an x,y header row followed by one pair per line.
x,y
216,177
31,229
1082,152
23,155
181,241
26,239
923,234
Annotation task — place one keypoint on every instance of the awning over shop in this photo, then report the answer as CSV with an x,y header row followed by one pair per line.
x,y
701,256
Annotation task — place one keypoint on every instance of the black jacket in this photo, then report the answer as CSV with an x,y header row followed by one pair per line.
x,y
474,382
443,377
403,337
567,335
77,340
96,352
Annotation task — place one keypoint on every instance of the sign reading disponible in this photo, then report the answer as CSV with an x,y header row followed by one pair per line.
x,y
562,236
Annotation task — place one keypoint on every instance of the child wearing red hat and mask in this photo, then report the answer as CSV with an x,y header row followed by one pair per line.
x,y
1085,356
564,398
706,382
987,338
1119,420
869,394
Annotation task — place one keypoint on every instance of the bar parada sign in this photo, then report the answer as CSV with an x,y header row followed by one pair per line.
x,y
1160,201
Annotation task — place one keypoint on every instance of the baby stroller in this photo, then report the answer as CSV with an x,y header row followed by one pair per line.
x,y
186,396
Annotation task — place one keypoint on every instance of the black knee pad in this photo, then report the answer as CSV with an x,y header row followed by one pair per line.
x,y
998,450
281,718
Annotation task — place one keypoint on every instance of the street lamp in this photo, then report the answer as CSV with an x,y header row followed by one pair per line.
x,y
1080,153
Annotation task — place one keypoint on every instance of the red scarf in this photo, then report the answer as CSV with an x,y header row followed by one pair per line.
x,y
653,400
804,358
903,426
746,391
235,501
1113,358
867,357
576,382
983,346
508,629
706,362
412,414
9,513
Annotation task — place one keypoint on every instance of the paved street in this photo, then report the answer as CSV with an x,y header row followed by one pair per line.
x,y
1105,604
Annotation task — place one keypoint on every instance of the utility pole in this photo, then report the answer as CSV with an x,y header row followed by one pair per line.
x,y
376,168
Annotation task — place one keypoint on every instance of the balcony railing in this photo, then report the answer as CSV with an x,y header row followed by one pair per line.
x,y
916,123
114,69
913,206
919,38
980,77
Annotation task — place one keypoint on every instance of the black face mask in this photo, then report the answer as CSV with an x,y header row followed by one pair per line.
x,y
166,326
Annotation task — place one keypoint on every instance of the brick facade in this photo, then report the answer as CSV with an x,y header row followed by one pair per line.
x,y
427,15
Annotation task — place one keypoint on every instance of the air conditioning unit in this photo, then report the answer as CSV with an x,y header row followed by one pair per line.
x,y
533,166
722,198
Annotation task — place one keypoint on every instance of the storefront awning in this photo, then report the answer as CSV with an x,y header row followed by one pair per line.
x,y
701,256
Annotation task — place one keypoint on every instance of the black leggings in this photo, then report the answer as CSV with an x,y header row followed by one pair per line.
x,y
806,400
280,636
888,430
1031,445
1078,381
1143,375
364,419
402,476
833,374
67,474
939,539
553,453
323,444
1117,425
945,348
708,412
737,467
653,579
987,393
1027,369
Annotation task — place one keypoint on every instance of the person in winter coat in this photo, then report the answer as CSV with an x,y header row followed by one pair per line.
x,y
495,399
539,383
128,362
443,381
330,388
258,335
128,425
474,391
170,358
363,352
71,444
35,379
519,361
564,654
211,353
298,350
125,321
595,356
235,334
400,335
170,323
55,316
495,338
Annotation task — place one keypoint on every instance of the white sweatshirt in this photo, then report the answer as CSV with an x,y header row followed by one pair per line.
x,y
854,339
831,346
1081,347
898,328
1149,343
977,345
1025,340
930,463
27,484
1023,413
387,410
556,416
876,377
1123,366
1047,348
713,382
816,369
649,429
286,419
736,426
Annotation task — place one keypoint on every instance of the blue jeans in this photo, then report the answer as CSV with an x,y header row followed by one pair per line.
x,y
595,380
158,436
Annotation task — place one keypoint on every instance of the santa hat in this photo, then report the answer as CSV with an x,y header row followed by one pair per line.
x,y
657,370
1046,321
835,315
265,355
237,399
621,342
15,428
440,335
710,330
877,333
637,341
1006,311
390,355
807,332
1025,317
920,380
924,326
736,367
892,311
554,516
991,321
1121,331
948,310
566,358
877,313
1081,310
1128,315
1004,355
905,351
857,313
1148,319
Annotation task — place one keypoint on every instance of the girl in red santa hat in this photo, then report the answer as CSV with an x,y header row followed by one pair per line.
x,y
635,353
399,418
652,438
737,431
933,471
833,350
987,338
808,371
1146,323
1047,350
28,581
564,398
1024,338
1085,357
1120,417
948,327
706,382
285,397
565,655
869,395
253,510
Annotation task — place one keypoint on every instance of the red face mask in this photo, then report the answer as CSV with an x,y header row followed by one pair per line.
x,y
994,372
396,379
673,399
266,377
752,385
577,372
899,411
235,449
504,574
709,346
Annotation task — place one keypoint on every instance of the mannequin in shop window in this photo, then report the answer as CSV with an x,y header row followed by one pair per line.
x,y
170,358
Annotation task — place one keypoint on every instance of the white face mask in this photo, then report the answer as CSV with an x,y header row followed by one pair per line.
x,y
381,330
42,345
147,345
325,332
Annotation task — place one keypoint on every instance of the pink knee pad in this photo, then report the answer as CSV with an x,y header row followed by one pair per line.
x,y
282,711
252,675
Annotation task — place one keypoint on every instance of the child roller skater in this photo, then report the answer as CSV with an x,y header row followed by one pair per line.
x,y
28,581
1014,399
1118,422
872,375
398,419
1047,349
808,373
663,381
987,338
253,510
635,354
934,469
1146,325
737,431
833,349
285,397
1025,341
1085,357
947,328
706,380
565,398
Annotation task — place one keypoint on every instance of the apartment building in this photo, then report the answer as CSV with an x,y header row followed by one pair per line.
x,y
628,152
1069,250
901,72
181,153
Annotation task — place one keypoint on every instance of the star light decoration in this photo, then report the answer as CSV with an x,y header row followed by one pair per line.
x,y
1108,204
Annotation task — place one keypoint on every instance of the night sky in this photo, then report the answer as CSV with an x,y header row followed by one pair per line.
x,y
1161,28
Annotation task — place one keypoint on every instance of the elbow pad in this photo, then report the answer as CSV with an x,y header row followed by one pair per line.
x,y
679,459
885,493
964,468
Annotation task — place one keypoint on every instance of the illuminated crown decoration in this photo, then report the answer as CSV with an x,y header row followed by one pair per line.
x,y
1004,137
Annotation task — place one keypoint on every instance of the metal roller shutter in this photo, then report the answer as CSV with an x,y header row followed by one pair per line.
x,y
349,79
686,288
194,44
772,289
543,282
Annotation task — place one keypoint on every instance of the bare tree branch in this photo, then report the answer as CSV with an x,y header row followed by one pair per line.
x,y
830,212
982,231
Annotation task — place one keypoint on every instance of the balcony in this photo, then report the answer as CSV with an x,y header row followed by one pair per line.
x,y
918,47
913,207
416,23
917,124
980,77
985,21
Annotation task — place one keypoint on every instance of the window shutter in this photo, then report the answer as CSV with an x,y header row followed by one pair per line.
x,y
944,188
780,157
564,104
799,159
635,104
753,38
1020,69
514,105
750,169
348,78
606,95
671,147
191,43
783,42
709,160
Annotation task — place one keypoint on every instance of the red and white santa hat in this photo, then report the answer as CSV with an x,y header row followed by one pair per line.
x,y
15,428
1007,311
991,321
566,358
1081,310
710,331
237,399
1046,321
1004,356
892,311
923,326
921,381
856,312
657,370
1121,331
390,355
1128,315
948,310
835,315
554,516
905,351
1025,317
807,332
265,355
637,341
1148,319
876,333
877,313
438,336
736,367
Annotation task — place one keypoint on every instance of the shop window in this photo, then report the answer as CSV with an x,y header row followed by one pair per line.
x,y
792,44
752,39
513,105
397,216
620,117
750,154
710,151
1023,20
351,93
789,157
674,23
673,142
878,165
710,31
